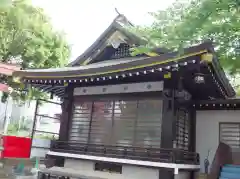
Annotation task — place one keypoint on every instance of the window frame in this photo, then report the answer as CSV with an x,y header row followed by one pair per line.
x,y
115,97
181,128
219,132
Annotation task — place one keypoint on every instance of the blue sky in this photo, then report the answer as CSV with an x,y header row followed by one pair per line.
x,y
84,21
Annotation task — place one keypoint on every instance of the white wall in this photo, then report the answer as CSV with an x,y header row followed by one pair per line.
x,y
182,175
44,146
128,172
86,167
207,131
5,109
15,112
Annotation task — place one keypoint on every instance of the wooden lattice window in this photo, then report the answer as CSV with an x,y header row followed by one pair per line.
x,y
229,133
79,130
182,130
122,51
118,122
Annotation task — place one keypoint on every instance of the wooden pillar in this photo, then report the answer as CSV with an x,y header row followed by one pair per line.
x,y
167,133
193,123
65,122
66,114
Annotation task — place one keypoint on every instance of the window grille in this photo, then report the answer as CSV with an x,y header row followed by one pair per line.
x,y
182,130
229,133
80,122
122,51
118,122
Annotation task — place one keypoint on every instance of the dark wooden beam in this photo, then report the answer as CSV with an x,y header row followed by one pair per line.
x,y
65,120
167,134
192,143
217,104
192,146
66,114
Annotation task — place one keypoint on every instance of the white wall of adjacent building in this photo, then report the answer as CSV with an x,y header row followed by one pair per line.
x,y
13,112
41,147
207,131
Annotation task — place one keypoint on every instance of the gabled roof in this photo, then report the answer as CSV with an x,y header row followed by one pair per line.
x,y
190,62
94,67
116,25
119,24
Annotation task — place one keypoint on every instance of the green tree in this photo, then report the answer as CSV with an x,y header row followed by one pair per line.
x,y
187,23
5,4
27,38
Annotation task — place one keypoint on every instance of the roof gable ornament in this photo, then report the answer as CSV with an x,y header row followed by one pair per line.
x,y
116,43
116,39
121,19
117,11
115,35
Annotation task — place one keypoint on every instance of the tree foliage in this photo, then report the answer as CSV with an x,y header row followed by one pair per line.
x,y
187,23
28,39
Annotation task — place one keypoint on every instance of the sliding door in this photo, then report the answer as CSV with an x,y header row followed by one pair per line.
x,y
117,122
